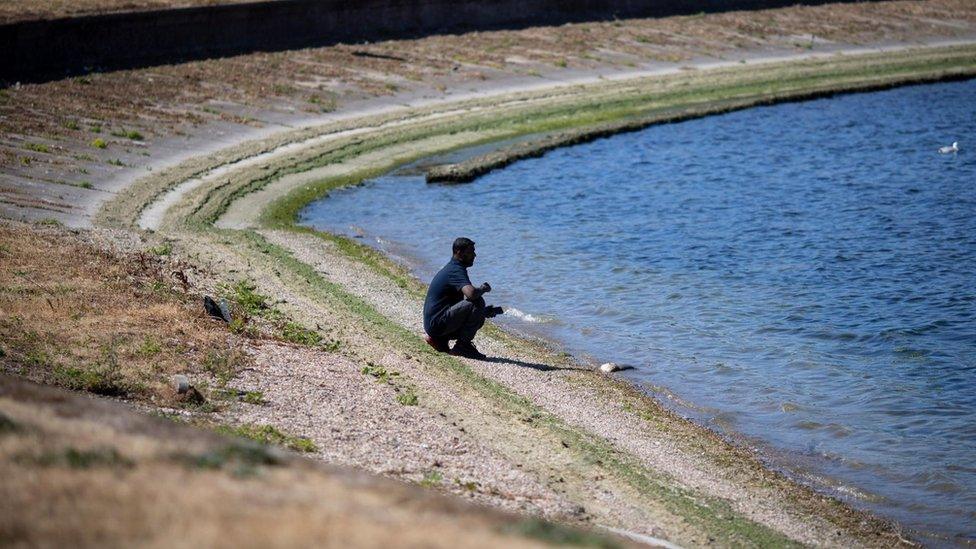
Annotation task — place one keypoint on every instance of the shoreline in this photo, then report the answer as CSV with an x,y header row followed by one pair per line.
x,y
470,169
799,470
281,239
476,165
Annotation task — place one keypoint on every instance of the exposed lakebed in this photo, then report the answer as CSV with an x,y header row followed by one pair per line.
x,y
803,275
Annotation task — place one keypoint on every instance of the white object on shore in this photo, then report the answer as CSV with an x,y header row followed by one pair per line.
x,y
181,383
608,367
953,149
641,538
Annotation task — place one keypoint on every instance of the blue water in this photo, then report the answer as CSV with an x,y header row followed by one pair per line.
x,y
801,275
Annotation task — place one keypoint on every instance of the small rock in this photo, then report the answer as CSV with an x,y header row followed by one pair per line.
x,y
181,383
221,311
185,392
608,367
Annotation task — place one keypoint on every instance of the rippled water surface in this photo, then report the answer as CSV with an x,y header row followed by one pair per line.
x,y
803,275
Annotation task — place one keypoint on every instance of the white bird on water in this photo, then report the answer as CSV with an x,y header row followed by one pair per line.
x,y
953,149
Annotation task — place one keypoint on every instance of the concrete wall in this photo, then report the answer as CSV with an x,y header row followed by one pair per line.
x,y
48,49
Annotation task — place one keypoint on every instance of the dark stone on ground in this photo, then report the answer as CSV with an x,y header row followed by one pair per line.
x,y
221,310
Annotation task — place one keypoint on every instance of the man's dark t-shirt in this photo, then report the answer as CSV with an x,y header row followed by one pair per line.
x,y
444,292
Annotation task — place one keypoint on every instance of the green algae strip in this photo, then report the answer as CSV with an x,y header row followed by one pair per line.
x,y
568,108
710,516
579,106
715,102
606,117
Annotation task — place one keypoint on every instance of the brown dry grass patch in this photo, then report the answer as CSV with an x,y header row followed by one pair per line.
x,y
80,317
80,472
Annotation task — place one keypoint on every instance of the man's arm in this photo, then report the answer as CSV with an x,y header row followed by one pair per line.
x,y
471,293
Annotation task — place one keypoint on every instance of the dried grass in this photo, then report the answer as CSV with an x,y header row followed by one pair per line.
x,y
84,473
82,318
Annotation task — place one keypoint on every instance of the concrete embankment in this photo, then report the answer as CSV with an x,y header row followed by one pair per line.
x,y
566,113
44,49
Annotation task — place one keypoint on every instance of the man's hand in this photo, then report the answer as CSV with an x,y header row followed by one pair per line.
x,y
485,288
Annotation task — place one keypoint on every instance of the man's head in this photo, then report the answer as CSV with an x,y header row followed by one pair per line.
x,y
464,251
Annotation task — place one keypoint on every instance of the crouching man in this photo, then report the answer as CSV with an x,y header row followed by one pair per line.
x,y
454,308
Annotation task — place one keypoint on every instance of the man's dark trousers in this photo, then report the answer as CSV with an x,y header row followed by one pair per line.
x,y
462,321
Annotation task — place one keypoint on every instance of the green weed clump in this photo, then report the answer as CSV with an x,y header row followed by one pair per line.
x,y
296,333
246,295
407,397
38,147
242,327
223,364
130,134
332,345
379,372
99,143
165,248
302,444
253,397
431,479
37,358
150,347
269,434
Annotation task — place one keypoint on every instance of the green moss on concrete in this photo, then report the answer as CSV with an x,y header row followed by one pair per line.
x,y
600,116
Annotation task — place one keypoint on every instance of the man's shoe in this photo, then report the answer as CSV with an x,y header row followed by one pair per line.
x,y
467,350
439,345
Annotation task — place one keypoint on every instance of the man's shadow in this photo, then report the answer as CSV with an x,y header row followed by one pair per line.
x,y
533,365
